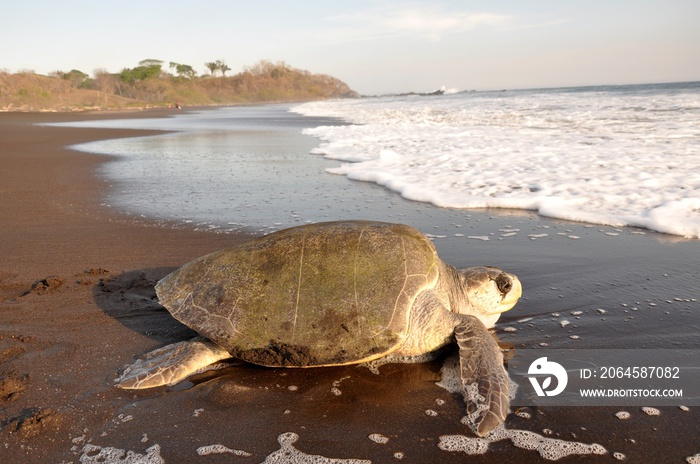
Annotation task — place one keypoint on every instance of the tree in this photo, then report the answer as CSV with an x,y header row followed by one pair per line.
x,y
223,67
217,65
145,70
148,63
212,66
104,81
269,69
183,70
75,77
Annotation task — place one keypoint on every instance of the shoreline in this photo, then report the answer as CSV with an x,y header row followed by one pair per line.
x,y
77,303
46,184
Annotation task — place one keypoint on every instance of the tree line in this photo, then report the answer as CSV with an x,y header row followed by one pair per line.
x,y
155,82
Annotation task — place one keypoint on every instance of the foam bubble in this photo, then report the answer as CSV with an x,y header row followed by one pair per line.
x,y
336,383
220,449
651,411
92,454
379,438
467,445
549,448
451,379
288,454
694,459
622,415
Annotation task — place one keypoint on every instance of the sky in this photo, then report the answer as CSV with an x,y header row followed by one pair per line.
x,y
381,46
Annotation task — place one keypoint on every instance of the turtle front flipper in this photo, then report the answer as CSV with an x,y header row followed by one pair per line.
x,y
171,364
485,382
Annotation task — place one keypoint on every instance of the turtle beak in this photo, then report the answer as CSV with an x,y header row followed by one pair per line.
x,y
512,295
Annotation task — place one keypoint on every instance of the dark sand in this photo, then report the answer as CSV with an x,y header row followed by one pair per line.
x,y
77,303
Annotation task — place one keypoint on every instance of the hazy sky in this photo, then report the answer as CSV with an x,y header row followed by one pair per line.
x,y
374,46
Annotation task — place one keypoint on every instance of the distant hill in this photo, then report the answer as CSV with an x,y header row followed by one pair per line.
x,y
147,85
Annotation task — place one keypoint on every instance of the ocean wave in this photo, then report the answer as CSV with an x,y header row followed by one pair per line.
x,y
621,157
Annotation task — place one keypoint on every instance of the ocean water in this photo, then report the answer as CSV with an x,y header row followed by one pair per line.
x,y
224,169
615,155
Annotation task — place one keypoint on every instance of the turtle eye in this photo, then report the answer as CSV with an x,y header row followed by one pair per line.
x,y
504,284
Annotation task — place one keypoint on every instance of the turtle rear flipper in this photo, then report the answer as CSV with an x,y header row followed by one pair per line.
x,y
485,382
171,364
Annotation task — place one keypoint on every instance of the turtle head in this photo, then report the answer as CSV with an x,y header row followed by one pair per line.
x,y
488,292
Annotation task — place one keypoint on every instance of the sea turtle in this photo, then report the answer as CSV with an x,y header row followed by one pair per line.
x,y
332,294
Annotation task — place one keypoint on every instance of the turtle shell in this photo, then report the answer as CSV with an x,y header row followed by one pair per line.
x,y
321,294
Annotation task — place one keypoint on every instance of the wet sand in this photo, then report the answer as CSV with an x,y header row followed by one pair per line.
x,y
77,303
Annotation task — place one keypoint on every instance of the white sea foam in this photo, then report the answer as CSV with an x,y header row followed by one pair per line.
x,y
108,455
379,438
288,454
615,156
220,449
551,449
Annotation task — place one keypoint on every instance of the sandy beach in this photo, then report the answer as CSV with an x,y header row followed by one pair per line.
x,y
77,303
